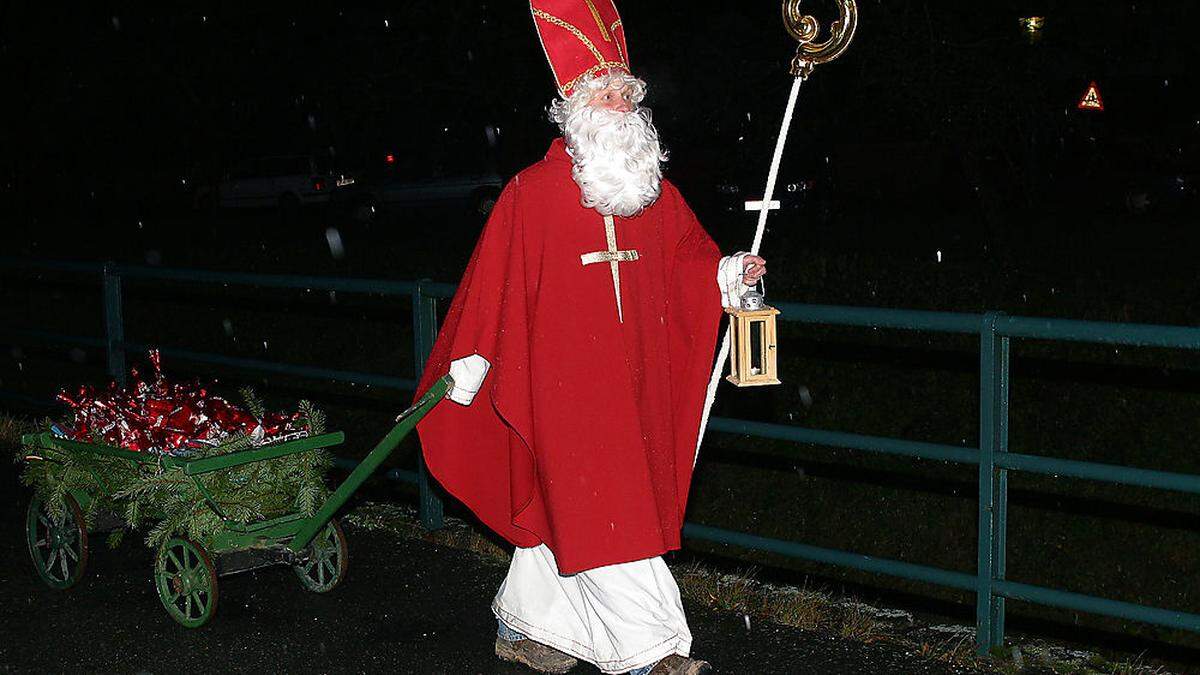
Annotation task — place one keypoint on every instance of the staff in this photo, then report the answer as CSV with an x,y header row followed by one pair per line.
x,y
809,53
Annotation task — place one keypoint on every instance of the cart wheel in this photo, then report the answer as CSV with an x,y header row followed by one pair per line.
x,y
187,582
327,559
58,545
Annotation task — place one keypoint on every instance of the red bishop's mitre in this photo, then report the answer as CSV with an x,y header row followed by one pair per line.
x,y
581,38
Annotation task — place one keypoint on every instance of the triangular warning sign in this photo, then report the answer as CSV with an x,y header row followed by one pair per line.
x,y
1091,98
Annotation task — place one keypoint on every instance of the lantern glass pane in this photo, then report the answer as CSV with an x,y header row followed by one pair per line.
x,y
757,340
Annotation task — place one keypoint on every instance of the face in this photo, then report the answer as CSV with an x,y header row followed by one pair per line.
x,y
618,97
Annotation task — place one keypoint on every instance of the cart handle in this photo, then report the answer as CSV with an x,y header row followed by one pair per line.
x,y
404,424
194,467
191,467
49,441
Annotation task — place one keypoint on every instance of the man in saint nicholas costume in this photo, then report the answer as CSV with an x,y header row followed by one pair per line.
x,y
580,340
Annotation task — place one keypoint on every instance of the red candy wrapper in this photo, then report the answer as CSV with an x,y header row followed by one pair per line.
x,y
167,417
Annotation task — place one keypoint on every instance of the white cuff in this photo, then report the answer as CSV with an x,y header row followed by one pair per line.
x,y
468,373
729,279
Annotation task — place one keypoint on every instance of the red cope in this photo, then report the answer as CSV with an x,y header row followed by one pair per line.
x,y
583,434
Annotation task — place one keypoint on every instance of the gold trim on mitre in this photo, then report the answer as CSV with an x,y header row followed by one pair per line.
x,y
601,63
604,33
617,40
590,72
545,52
550,18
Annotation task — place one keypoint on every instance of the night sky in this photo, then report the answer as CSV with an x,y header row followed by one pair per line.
x,y
938,104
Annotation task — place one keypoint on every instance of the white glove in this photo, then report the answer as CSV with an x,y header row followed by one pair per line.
x,y
468,373
729,279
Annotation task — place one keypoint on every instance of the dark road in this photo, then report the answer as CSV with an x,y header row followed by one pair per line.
x,y
406,606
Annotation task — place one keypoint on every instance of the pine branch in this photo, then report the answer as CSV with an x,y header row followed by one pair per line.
x,y
315,417
253,403
167,500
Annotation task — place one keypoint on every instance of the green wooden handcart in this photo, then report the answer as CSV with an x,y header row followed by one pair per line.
x,y
186,571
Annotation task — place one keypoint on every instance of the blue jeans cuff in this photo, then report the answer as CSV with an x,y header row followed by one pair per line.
x,y
506,633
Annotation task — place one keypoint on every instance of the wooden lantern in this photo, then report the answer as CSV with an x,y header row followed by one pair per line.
x,y
752,354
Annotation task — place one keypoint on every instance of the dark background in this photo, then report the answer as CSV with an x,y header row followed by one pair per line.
x,y
949,169
946,126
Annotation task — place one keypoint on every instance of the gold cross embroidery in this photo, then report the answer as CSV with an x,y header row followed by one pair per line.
x,y
611,256
599,23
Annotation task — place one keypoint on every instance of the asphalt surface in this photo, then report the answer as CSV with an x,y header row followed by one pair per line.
x,y
406,606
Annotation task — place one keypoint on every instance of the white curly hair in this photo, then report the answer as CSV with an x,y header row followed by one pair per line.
x,y
616,156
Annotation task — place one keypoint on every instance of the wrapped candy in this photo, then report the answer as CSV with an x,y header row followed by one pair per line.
x,y
167,417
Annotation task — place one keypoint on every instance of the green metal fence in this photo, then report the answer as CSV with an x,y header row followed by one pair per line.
x,y
992,456
422,293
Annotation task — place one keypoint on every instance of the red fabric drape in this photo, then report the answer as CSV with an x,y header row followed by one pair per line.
x,y
582,436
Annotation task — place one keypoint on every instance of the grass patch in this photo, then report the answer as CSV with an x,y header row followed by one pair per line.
x,y
958,648
858,623
741,593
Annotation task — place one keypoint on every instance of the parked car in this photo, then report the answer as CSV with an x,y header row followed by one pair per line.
x,y
283,181
477,191
450,170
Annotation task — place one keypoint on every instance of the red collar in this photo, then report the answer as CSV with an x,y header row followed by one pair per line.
x,y
558,151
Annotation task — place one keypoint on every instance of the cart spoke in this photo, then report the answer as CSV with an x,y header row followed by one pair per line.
x,y
321,574
41,543
62,564
71,552
200,604
308,567
178,565
45,521
50,561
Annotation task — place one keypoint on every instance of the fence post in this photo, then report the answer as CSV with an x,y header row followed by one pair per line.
x,y
424,335
993,483
114,324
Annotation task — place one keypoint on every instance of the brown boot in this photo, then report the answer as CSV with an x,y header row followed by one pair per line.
x,y
536,655
681,665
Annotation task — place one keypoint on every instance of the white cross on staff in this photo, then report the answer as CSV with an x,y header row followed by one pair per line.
x,y
612,256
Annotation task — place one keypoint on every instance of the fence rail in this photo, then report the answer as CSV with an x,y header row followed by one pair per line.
x,y
994,330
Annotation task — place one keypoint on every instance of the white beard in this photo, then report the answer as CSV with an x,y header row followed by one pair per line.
x,y
617,159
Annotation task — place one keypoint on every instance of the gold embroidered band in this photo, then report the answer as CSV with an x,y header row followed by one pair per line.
x,y
545,16
608,256
599,21
606,65
612,256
